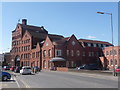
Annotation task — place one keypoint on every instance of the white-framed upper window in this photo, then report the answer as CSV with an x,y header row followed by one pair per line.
x,y
89,45
49,53
72,53
58,52
67,52
89,53
104,45
83,53
78,53
99,45
44,53
94,45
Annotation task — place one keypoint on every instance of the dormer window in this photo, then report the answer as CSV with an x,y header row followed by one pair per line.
x,y
94,45
89,45
99,45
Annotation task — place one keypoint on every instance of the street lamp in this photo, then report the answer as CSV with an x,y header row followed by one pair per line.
x,y
112,39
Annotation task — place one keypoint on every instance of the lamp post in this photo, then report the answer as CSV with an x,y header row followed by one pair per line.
x,y
112,39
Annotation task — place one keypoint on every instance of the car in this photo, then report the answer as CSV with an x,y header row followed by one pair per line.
x,y
12,68
81,67
117,70
26,70
6,68
4,76
92,66
17,69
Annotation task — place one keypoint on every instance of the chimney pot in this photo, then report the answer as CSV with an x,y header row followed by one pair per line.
x,y
24,21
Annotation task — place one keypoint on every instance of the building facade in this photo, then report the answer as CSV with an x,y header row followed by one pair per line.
x,y
34,46
110,57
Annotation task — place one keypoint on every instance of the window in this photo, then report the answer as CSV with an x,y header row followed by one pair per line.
x,y
21,56
33,55
83,53
89,45
58,52
107,53
89,53
94,45
115,52
49,53
119,51
99,45
97,54
67,52
44,53
111,62
104,45
78,53
115,62
110,52
92,53
44,64
72,53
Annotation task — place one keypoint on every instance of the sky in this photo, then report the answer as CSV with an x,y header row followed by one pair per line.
x,y
63,18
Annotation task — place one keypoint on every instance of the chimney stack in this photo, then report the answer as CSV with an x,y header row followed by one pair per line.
x,y
24,21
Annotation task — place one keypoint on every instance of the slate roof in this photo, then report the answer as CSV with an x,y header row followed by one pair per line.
x,y
94,41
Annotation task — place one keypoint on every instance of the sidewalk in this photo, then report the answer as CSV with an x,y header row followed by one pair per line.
x,y
100,72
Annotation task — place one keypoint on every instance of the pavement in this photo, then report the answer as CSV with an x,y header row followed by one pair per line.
x,y
99,72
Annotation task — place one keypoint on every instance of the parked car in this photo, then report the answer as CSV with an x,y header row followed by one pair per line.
x,y
17,69
26,70
4,76
117,70
81,67
6,68
93,66
12,68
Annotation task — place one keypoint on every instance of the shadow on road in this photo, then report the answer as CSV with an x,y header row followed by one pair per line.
x,y
9,81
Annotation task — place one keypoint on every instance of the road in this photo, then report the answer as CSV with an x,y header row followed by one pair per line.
x,y
54,79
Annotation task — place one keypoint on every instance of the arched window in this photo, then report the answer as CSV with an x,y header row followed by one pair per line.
x,y
115,62
44,53
111,62
49,53
72,53
44,64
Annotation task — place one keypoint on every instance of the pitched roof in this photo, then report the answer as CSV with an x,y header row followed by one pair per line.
x,y
94,41
60,41
33,28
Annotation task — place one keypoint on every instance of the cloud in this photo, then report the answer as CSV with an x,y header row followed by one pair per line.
x,y
91,37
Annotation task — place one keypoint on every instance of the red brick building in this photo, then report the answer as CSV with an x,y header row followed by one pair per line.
x,y
34,46
108,58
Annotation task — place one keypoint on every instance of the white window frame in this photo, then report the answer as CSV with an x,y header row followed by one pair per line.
x,y
89,44
58,52
78,53
67,52
72,53
94,44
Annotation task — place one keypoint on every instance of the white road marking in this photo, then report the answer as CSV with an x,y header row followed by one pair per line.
x,y
17,83
27,86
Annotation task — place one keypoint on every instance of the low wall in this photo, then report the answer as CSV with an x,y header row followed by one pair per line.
x,y
62,69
